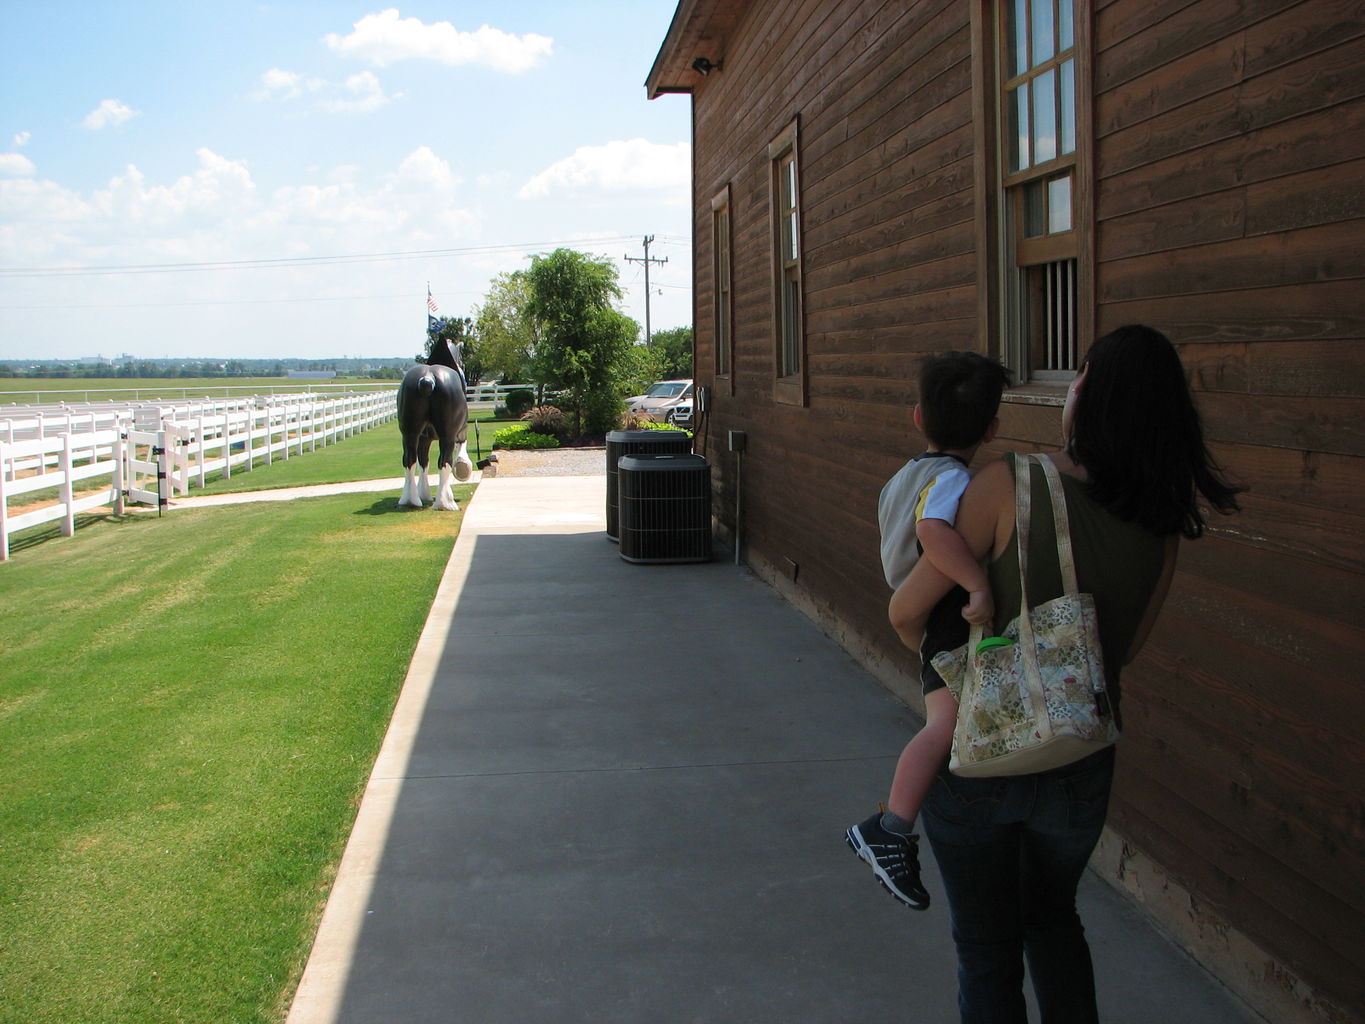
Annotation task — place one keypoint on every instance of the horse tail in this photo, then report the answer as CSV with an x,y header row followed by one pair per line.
x,y
427,384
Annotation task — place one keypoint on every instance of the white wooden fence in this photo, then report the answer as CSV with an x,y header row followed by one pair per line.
x,y
76,398
145,453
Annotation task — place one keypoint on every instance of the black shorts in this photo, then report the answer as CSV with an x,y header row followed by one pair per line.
x,y
945,630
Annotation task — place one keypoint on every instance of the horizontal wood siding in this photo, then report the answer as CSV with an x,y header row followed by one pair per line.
x,y
1229,160
1229,151
883,95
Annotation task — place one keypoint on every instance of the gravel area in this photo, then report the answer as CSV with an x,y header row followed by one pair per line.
x,y
553,462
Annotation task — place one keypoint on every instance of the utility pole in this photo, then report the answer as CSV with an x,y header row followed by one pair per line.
x,y
646,261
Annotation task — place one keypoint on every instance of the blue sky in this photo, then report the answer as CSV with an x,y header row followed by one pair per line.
x,y
279,138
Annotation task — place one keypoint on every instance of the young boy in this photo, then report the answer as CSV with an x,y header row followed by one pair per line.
x,y
959,394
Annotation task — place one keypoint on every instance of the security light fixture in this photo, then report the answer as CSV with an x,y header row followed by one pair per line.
x,y
704,67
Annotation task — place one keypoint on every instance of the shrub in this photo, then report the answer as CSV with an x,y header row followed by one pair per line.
x,y
600,412
520,435
520,402
546,419
629,421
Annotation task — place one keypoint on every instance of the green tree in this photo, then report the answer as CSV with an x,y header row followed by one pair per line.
x,y
674,347
643,366
507,334
584,339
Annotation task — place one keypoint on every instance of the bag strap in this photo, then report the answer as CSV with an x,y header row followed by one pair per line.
x,y
1031,692
1023,516
1065,558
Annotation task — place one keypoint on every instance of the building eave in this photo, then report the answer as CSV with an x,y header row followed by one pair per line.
x,y
700,28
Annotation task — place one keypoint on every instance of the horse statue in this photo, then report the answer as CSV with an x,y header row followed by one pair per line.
x,y
432,407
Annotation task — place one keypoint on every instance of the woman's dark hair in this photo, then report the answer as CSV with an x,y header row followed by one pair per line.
x,y
1136,431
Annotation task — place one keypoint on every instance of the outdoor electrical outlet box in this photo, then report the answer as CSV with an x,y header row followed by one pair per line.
x,y
739,440
703,398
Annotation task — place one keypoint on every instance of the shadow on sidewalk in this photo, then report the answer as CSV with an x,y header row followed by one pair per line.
x,y
624,801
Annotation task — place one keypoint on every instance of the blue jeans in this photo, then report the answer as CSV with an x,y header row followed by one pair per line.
x,y
1011,852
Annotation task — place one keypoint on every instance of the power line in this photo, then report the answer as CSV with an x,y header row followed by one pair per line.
x,y
229,302
292,261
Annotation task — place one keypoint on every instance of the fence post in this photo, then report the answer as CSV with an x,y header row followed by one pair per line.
x,y
270,431
199,440
4,509
67,497
119,442
250,432
227,445
182,455
163,466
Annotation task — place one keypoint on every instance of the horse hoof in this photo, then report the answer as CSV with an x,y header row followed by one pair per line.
x,y
463,471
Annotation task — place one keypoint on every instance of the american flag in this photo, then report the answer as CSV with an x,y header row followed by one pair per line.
x,y
431,303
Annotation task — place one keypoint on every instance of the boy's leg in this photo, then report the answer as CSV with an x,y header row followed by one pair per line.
x,y
894,859
890,846
923,755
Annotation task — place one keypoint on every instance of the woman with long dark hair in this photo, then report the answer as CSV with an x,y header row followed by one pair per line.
x,y
1011,850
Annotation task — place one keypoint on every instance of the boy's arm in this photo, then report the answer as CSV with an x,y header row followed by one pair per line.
x,y
947,550
986,519
915,599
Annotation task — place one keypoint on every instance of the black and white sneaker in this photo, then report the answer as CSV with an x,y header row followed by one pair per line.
x,y
894,859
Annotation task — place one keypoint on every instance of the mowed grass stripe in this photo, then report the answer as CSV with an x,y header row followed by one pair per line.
x,y
189,710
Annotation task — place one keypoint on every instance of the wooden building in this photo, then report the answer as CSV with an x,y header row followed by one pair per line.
x,y
874,180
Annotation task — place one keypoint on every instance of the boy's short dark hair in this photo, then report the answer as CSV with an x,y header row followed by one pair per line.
x,y
959,393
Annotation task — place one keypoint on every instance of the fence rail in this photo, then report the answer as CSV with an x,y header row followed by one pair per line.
x,y
78,399
145,452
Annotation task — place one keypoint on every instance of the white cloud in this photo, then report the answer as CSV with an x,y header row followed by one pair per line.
x,y
423,169
633,165
21,139
16,165
109,112
217,211
366,92
218,188
359,94
381,39
286,85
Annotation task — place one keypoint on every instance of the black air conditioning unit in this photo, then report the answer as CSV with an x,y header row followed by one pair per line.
x,y
665,508
637,442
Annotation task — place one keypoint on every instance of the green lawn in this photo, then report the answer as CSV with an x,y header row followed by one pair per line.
x,y
189,709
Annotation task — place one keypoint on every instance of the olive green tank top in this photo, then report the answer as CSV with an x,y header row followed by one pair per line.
x,y
1117,562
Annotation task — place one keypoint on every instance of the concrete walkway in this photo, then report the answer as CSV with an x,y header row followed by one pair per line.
x,y
617,793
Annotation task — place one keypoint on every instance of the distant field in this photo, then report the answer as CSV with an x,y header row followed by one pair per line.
x,y
27,390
